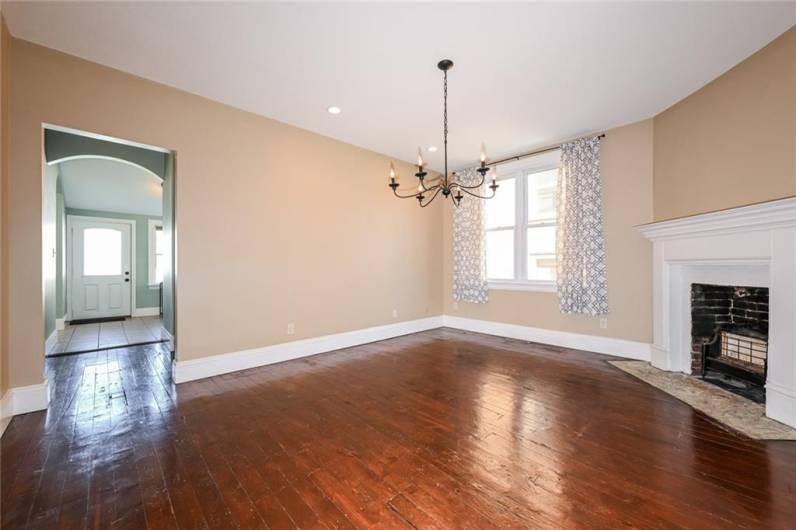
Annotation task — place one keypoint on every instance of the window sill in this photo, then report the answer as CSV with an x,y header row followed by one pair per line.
x,y
541,286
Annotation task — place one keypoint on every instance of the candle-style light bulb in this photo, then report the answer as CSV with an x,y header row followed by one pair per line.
x,y
420,188
483,153
392,172
419,158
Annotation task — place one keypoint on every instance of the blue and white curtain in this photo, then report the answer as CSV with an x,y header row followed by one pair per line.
x,y
581,275
469,246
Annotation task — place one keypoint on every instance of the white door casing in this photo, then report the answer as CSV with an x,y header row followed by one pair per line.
x,y
101,275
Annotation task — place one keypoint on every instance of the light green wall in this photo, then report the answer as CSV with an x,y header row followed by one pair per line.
x,y
60,144
145,297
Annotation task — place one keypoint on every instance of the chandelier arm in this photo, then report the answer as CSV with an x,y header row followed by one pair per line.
x,y
431,199
458,185
477,195
437,180
414,195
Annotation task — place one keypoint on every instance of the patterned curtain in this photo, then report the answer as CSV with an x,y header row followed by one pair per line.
x,y
469,246
581,276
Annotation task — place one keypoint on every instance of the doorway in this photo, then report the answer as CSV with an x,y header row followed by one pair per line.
x,y
108,244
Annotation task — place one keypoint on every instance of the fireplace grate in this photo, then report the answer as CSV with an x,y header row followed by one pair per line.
x,y
743,349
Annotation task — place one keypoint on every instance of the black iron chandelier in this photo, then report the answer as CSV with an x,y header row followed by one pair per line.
x,y
448,186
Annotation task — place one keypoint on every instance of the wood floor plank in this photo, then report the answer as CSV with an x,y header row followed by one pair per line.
x,y
435,430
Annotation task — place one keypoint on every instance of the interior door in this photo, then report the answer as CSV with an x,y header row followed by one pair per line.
x,y
101,277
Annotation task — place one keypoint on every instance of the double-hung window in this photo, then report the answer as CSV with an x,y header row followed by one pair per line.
x,y
521,226
157,252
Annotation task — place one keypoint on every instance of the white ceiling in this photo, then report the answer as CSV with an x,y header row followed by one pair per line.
x,y
526,75
110,186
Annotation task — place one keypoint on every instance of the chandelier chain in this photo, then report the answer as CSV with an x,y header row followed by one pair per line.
x,y
445,119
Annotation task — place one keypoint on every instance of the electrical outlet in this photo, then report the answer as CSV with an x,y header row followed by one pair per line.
x,y
291,328
603,322
395,313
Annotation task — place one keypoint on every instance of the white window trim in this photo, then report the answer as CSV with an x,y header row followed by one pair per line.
x,y
152,225
519,170
543,286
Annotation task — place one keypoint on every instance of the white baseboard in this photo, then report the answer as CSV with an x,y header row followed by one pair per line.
x,y
60,324
5,412
607,345
780,404
23,399
146,311
241,360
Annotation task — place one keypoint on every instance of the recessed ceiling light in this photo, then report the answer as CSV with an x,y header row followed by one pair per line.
x,y
432,149
334,110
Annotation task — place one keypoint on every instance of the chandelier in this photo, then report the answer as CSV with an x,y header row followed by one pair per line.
x,y
449,186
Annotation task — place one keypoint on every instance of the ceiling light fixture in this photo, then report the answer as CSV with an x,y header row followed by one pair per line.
x,y
334,110
448,185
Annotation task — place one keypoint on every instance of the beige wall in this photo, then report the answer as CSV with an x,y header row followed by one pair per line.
x,y
3,194
279,225
275,224
733,142
626,167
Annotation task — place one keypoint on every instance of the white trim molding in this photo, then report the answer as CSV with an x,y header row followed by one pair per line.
x,y
191,370
592,343
752,246
5,412
184,371
21,400
146,311
763,216
543,286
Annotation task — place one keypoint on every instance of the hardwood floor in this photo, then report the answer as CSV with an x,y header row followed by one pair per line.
x,y
440,429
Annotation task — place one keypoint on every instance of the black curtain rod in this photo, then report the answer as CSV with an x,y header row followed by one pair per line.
x,y
537,152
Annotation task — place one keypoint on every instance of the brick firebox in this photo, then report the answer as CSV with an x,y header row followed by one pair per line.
x,y
717,307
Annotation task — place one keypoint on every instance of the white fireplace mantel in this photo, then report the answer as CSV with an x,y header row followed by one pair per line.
x,y
750,245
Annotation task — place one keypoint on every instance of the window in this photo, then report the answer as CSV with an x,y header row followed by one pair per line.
x,y
102,252
157,252
521,226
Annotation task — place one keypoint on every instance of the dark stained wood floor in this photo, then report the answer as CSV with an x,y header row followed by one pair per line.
x,y
434,430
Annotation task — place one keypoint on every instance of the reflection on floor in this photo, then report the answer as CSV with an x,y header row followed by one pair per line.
x,y
439,429
89,337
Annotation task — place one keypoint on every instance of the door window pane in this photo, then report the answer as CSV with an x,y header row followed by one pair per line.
x,y
500,254
542,195
499,211
542,253
102,252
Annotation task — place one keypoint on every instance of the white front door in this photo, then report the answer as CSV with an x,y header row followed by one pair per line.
x,y
101,271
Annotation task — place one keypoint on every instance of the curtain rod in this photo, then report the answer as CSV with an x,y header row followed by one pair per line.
x,y
537,152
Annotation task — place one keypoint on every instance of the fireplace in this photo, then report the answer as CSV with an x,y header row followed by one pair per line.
x,y
729,337
751,245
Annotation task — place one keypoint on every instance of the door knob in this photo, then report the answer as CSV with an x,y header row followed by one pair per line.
x,y
127,279
126,273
